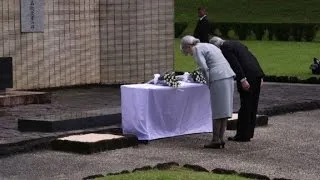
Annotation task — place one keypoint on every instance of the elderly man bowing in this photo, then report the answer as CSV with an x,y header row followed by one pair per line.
x,y
249,79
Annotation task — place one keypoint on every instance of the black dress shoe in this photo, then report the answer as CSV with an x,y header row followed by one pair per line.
x,y
238,139
222,144
214,145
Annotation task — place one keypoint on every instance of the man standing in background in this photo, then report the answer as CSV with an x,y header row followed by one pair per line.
x,y
203,26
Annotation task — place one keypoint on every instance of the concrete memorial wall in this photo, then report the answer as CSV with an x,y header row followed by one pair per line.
x,y
55,43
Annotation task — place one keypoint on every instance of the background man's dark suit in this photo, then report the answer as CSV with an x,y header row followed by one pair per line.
x,y
245,65
202,30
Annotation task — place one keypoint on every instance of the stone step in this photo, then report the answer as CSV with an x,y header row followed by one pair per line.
x,y
67,122
93,142
262,120
14,98
91,119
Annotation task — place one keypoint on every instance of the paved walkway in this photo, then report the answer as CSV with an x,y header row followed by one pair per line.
x,y
107,99
288,148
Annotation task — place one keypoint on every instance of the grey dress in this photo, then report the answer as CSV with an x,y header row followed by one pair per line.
x,y
220,78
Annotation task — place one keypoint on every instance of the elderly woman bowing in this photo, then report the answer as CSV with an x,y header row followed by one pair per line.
x,y
220,79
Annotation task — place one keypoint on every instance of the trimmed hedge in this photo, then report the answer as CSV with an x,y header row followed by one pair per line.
x,y
291,79
284,79
179,27
281,31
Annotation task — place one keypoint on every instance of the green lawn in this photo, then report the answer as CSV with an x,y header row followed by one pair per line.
x,y
174,174
276,57
306,11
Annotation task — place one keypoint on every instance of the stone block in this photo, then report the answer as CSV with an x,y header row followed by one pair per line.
x,y
92,143
14,98
67,122
262,120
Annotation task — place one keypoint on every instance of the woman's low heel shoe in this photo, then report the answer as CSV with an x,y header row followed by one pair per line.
x,y
214,145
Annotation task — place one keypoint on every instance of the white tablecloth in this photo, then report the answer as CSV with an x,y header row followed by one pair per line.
x,y
152,111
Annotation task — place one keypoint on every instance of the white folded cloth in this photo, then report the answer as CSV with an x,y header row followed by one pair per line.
x,y
155,78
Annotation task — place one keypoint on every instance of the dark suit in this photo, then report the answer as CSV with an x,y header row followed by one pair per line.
x,y
245,64
202,30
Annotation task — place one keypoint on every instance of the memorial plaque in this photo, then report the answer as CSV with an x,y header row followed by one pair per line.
x,y
32,15
5,72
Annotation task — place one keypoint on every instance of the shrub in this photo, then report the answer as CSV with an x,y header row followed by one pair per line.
x,y
271,30
282,32
242,30
179,27
224,29
258,30
310,31
297,31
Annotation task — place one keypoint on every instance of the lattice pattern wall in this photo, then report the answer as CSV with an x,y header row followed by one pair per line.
x,y
136,39
67,53
89,41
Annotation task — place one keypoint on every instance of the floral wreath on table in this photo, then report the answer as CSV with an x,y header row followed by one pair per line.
x,y
170,79
167,79
198,76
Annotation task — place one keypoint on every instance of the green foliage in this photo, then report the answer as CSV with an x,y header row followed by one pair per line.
x,y
310,31
259,30
267,20
242,30
297,32
277,58
173,174
179,27
253,11
282,31
224,30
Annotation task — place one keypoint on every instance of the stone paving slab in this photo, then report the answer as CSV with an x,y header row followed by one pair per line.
x,y
274,96
14,98
33,141
93,142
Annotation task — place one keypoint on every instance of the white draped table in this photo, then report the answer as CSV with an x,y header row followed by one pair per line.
x,y
152,111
